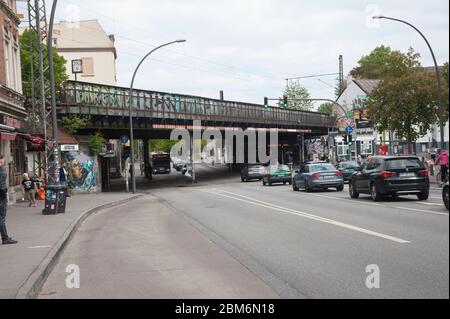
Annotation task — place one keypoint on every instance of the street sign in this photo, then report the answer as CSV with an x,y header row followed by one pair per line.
x,y
349,130
124,139
77,66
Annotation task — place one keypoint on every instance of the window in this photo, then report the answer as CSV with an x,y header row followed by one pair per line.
x,y
88,67
7,68
17,156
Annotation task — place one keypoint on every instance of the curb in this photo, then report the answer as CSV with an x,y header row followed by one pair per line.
x,y
33,284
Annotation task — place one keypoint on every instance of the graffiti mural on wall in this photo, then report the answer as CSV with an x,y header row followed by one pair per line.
x,y
83,172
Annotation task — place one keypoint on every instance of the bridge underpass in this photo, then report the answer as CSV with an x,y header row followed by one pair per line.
x,y
156,114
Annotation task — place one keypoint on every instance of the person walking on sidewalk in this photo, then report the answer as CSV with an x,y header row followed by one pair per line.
x,y
63,173
442,160
6,240
29,187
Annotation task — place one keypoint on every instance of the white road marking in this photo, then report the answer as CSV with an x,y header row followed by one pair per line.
x,y
430,204
39,247
381,205
285,210
421,210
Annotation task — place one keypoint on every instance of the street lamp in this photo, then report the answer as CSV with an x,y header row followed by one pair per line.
x,y
438,77
133,177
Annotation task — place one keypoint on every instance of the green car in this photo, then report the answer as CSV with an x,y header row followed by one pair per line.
x,y
277,174
347,168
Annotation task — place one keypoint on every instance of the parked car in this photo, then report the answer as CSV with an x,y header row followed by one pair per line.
x,y
383,176
253,172
277,174
347,168
318,176
445,195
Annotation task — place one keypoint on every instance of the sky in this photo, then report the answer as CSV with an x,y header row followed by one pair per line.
x,y
248,48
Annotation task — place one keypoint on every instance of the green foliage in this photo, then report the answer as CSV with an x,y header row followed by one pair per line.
x,y
58,61
406,104
96,143
72,123
326,108
295,91
161,145
382,62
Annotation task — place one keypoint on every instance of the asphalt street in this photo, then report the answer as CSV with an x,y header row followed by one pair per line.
x,y
292,244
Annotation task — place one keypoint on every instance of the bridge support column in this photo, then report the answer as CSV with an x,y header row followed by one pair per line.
x,y
147,167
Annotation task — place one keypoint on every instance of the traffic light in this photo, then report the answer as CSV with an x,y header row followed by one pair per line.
x,y
350,140
345,139
266,102
285,102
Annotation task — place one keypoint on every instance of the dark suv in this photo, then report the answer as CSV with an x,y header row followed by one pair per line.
x,y
384,176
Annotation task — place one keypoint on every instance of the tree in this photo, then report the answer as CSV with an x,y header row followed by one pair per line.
x,y
161,145
58,61
326,108
295,91
72,123
406,104
383,62
96,143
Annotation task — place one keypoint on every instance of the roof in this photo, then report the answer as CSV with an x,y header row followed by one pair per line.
x,y
64,137
368,86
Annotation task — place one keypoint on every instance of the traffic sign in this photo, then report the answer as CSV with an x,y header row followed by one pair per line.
x,y
124,139
349,130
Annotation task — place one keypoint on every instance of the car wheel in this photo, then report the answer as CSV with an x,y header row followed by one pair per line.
x,y
242,179
270,183
290,183
353,193
294,187
375,193
445,197
307,189
423,196
340,188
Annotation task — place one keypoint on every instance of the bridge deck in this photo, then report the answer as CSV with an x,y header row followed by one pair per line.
x,y
102,100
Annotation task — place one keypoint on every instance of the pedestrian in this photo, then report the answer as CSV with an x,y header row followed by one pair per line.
x,y
63,173
6,240
442,160
29,187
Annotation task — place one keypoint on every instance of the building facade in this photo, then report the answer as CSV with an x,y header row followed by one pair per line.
x,y
366,140
12,109
87,41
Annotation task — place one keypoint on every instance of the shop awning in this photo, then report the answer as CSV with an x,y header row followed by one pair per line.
x,y
7,136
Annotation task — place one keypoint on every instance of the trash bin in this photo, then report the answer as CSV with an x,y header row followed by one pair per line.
x,y
55,200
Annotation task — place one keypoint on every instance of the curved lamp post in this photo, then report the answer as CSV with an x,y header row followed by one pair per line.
x,y
133,176
438,77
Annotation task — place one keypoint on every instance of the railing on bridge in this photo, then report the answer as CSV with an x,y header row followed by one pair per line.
x,y
86,98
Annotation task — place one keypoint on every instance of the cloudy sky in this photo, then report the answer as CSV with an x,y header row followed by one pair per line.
x,y
247,48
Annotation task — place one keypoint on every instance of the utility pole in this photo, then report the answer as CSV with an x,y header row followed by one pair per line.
x,y
39,66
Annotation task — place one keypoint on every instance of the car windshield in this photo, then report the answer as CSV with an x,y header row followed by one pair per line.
x,y
322,167
279,168
402,163
349,165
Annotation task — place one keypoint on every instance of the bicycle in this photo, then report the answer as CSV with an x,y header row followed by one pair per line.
x,y
439,178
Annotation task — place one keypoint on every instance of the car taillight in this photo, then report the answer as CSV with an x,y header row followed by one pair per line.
x,y
385,174
339,175
315,176
424,173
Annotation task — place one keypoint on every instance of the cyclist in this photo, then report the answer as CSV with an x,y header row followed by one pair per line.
x,y
442,160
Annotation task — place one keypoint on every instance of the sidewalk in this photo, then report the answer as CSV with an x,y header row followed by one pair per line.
x,y
41,239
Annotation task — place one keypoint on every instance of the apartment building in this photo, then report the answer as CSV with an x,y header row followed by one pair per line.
x,y
12,109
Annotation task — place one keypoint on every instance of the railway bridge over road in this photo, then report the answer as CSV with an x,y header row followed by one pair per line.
x,y
156,114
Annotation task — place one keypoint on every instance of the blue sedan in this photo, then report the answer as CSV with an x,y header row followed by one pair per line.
x,y
318,176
